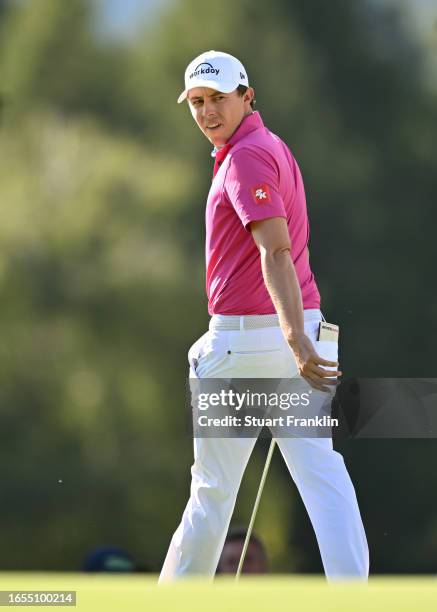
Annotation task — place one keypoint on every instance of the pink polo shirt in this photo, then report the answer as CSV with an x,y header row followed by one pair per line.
x,y
258,179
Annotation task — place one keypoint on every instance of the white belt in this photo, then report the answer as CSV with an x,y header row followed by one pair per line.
x,y
237,322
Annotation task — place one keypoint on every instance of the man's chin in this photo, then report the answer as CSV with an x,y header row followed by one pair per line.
x,y
217,142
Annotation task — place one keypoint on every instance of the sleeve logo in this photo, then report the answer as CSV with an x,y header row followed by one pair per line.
x,y
261,193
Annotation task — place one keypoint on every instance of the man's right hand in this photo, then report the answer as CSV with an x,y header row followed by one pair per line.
x,y
309,362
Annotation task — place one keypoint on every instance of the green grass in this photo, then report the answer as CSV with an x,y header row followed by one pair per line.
x,y
140,592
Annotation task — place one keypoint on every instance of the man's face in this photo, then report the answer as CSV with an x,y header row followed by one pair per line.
x,y
254,561
218,114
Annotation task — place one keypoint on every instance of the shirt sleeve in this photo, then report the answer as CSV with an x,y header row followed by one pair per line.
x,y
252,186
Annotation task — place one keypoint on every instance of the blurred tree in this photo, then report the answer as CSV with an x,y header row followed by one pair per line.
x,y
85,353
51,57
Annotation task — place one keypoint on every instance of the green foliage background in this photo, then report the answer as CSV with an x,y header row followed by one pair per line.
x,y
103,179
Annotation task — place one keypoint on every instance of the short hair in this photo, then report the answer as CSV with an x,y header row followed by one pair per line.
x,y
237,534
241,90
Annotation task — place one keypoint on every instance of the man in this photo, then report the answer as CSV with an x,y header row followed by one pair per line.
x,y
265,310
255,561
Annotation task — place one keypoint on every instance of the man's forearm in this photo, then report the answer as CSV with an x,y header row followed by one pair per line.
x,y
283,286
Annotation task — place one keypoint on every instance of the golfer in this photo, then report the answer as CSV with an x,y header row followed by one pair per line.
x,y
265,315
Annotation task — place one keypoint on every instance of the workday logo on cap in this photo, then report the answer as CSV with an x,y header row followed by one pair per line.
x,y
214,69
204,68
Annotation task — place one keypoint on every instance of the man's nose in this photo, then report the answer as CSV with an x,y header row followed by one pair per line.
x,y
208,108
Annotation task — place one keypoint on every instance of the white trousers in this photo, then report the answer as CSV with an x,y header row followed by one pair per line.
x,y
318,471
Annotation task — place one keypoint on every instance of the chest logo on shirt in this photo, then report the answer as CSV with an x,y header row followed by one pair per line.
x,y
261,193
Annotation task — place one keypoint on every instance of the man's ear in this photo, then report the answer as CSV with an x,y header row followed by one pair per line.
x,y
247,96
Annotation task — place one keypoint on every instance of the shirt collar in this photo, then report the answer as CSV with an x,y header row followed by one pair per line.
x,y
248,124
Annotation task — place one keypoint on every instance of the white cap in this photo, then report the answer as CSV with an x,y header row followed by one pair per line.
x,y
216,70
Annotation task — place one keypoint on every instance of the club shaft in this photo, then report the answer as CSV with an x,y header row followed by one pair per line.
x,y
255,507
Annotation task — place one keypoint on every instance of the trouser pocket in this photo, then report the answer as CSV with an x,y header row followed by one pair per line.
x,y
194,353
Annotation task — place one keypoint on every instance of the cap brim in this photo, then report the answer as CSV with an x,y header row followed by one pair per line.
x,y
182,96
227,88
